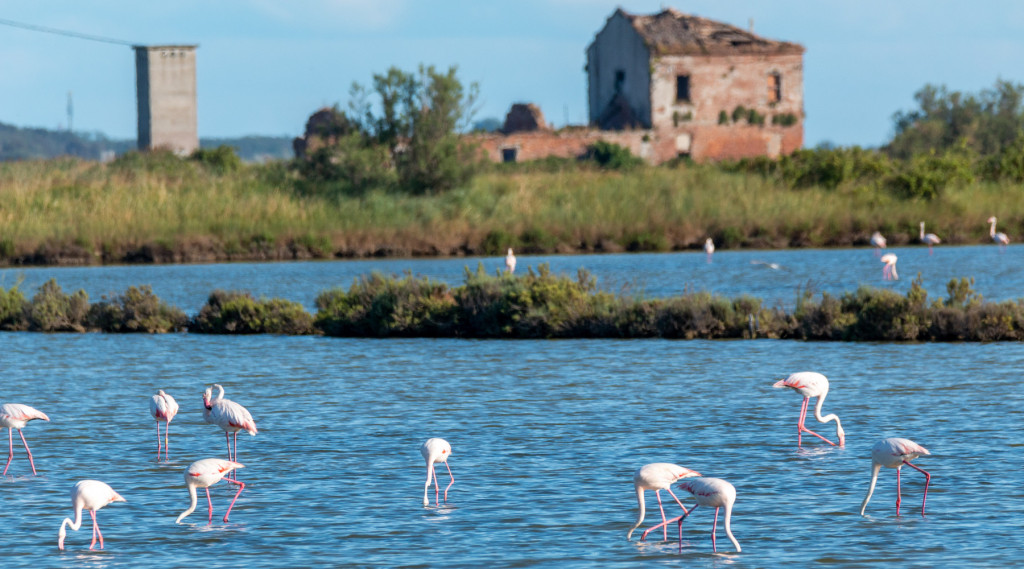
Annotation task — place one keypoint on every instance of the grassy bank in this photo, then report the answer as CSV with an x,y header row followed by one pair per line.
x,y
163,209
534,305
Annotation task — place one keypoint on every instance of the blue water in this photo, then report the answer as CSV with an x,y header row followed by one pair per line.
x,y
545,437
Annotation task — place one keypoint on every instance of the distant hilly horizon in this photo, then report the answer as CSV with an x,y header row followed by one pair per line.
x,y
28,143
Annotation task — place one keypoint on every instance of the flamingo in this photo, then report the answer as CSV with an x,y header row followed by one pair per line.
x,y
709,248
712,492
1000,238
164,408
929,239
510,261
15,416
657,476
878,242
89,495
205,473
889,270
436,450
894,453
227,415
812,384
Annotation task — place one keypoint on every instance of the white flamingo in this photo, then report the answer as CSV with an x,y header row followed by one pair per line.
x,y
163,407
227,415
889,270
15,416
894,453
436,450
88,495
812,384
709,248
205,473
712,492
999,238
878,242
657,476
510,261
929,239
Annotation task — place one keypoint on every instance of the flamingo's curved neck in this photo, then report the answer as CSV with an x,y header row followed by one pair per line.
x,y
220,393
871,489
728,528
192,503
826,418
992,230
642,511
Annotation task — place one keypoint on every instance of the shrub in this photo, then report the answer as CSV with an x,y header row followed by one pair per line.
x,y
612,156
236,312
53,311
137,310
221,159
13,309
383,306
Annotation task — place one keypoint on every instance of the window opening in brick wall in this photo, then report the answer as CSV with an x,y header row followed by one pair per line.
x,y
683,88
774,88
508,154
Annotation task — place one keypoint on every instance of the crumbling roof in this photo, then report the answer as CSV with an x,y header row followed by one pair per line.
x,y
671,32
524,117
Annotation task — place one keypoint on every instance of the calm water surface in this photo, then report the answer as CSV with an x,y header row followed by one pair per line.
x,y
546,435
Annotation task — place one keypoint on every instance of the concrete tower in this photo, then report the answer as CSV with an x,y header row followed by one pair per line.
x,y
165,80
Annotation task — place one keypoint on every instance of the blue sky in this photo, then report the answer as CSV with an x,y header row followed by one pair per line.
x,y
265,65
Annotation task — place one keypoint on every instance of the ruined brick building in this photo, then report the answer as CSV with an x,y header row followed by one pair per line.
x,y
672,84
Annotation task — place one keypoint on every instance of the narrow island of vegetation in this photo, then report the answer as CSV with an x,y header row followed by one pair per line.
x,y
537,304
391,176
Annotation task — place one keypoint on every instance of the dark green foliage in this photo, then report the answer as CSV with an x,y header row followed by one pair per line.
x,y
739,113
380,306
646,241
824,167
53,311
723,117
235,312
612,156
497,241
222,159
137,310
785,119
13,309
754,117
926,175
353,164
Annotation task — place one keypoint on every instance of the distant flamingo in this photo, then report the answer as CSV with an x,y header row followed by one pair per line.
x,y
510,261
89,495
712,492
436,450
812,384
894,453
657,476
999,238
164,408
709,248
227,415
15,416
929,239
205,473
889,270
878,242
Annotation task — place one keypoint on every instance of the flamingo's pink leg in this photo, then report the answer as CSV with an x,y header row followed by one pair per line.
x,y
677,501
714,529
158,441
450,483
665,528
234,445
241,486
927,481
437,487
10,451
95,531
227,438
643,536
802,427
28,451
681,518
209,502
167,443
898,492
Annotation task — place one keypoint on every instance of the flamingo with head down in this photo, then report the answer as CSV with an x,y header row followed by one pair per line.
x,y
812,384
712,492
436,450
895,453
88,495
889,270
657,476
205,473
15,416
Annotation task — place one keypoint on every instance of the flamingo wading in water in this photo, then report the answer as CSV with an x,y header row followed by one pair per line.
x,y
163,407
657,476
436,450
929,239
712,492
227,415
205,473
878,242
88,495
889,270
510,261
709,248
812,384
999,238
894,453
15,416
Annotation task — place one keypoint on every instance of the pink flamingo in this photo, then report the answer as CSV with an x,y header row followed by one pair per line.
x,y
163,408
205,473
812,384
889,270
89,495
999,238
929,239
711,492
15,416
878,242
436,450
709,248
894,453
229,416
657,476
510,261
